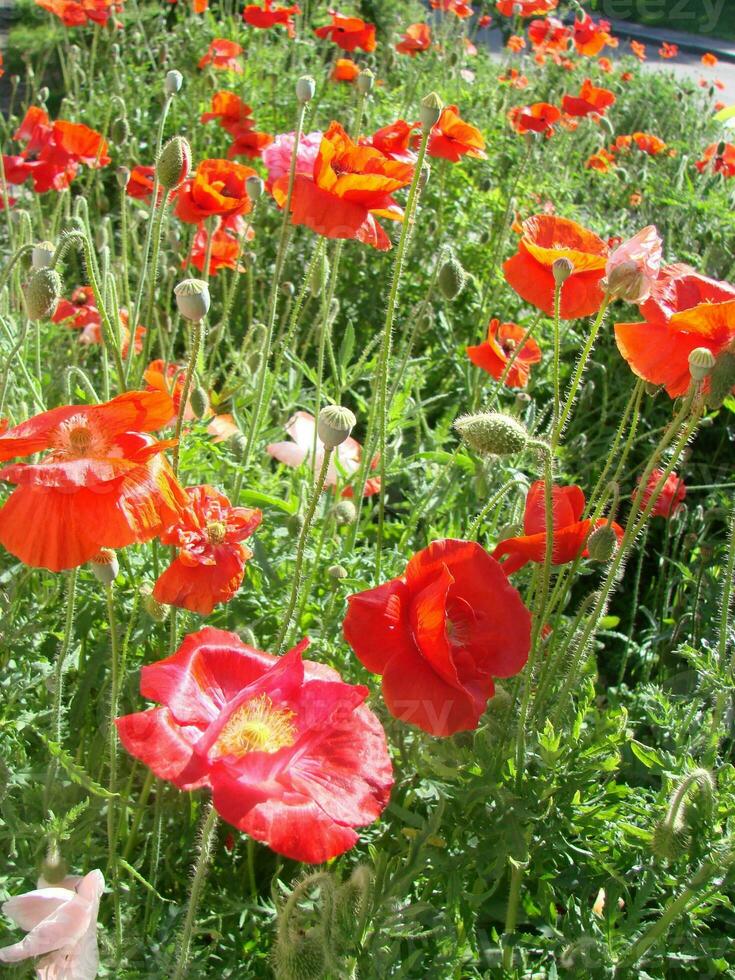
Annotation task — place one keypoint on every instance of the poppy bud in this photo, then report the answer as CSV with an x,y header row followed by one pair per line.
x,y
701,362
155,609
351,902
452,278
123,176
486,185
299,956
42,293
42,255
192,299
562,270
258,334
238,444
344,512
424,175
337,572
43,94
626,282
365,81
522,400
602,543
254,186
492,433
430,110
670,840
199,401
288,288
721,148
334,425
305,89
174,163
722,379
120,130
105,566
172,82
53,867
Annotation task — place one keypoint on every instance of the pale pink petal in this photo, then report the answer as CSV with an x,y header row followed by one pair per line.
x,y
29,909
287,452
300,427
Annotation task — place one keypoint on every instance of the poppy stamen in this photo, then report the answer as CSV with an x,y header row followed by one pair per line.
x,y
257,726
216,532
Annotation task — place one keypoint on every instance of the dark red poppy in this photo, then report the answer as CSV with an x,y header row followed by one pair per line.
x,y
439,634
218,187
540,117
501,344
591,99
290,752
670,498
269,16
349,33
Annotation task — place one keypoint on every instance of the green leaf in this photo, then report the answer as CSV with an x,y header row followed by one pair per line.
x,y
75,772
648,756
609,622
266,500
725,114
440,456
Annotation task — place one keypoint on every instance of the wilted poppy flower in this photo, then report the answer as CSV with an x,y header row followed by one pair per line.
x,y
590,37
668,50
452,138
670,498
539,117
349,33
270,16
233,115
61,926
394,141
218,187
210,562
345,70
638,49
290,752
545,239
591,99
345,461
439,634
277,156
350,185
709,60
501,344
416,38
570,533
223,55
525,8
633,267
227,243
103,483
549,34
719,158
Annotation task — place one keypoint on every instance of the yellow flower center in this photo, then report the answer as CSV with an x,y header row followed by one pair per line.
x,y
257,726
216,531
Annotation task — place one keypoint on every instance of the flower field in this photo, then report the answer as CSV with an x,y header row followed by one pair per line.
x,y
366,516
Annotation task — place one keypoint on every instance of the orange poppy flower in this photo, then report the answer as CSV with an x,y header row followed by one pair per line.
x,y
233,115
223,55
501,344
350,186
394,141
638,49
102,484
602,161
525,8
720,158
539,117
210,563
459,8
270,16
417,38
349,33
515,43
549,34
226,247
77,13
217,187
590,100
545,239
649,144
604,64
345,70
709,60
668,50
452,138
590,37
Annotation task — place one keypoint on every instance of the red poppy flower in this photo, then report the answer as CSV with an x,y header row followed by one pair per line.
x,y
671,497
537,118
223,55
350,185
668,50
217,187
484,21
103,484
81,313
439,634
394,141
638,49
227,243
292,755
514,78
140,183
345,70
53,151
452,138
525,8
417,38
590,37
210,564
603,161
549,34
590,99
719,158
270,16
77,13
233,115
502,342
349,33
249,144
515,43
709,60
570,533
545,239
459,8
647,143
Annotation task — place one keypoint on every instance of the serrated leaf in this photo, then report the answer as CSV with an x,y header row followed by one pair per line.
x,y
75,771
266,500
440,456
648,756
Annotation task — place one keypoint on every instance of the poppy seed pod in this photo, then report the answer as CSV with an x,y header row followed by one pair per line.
x,y
192,299
602,543
172,82
334,425
42,255
492,433
344,512
122,175
701,362
365,81
430,110
305,89
337,572
254,187
155,609
53,867
105,566
42,292
452,278
199,401
174,163
562,269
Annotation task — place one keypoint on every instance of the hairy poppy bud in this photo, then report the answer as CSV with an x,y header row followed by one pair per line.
x,y
199,401
492,433
53,867
365,81
562,270
701,362
122,175
155,609
238,444
192,299
42,255
254,186
452,278
430,110
334,425
43,94
344,512
337,572
105,566
120,130
602,543
172,82
300,956
670,840
174,163
305,89
42,293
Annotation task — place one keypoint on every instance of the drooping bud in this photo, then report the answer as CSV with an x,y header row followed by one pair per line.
x,y
701,362
562,269
344,512
300,957
42,292
334,425
430,110
365,81
42,255
199,401
305,89
452,278
120,130
105,566
174,163
192,299
254,186
155,609
492,433
172,82
602,543
670,840
43,94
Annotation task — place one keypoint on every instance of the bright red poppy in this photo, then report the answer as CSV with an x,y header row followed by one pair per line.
x,y
223,55
439,634
719,158
452,138
140,183
394,141
670,498
590,37
77,13
227,245
233,115
249,144
210,562
81,313
501,344
218,187
668,50
540,117
270,16
570,532
459,8
416,38
345,70
103,483
349,33
591,99
292,755
350,186
549,34
546,238
525,8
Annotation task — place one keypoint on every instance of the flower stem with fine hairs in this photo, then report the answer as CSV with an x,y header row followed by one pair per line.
x,y
112,763
206,840
59,675
196,344
511,915
578,372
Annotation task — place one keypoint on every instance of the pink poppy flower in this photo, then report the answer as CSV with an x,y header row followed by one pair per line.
x,y
61,926
633,267
277,156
